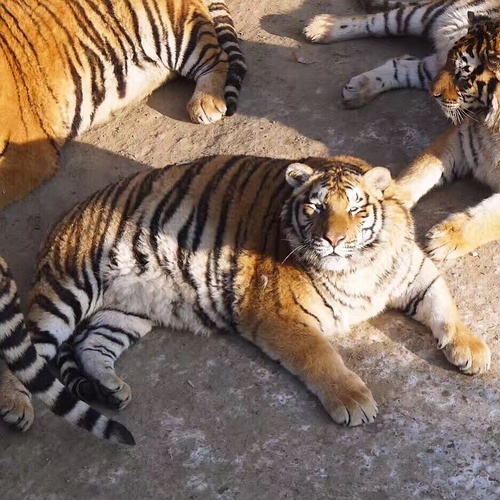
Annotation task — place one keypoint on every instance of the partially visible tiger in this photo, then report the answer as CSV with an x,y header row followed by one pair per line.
x,y
442,21
67,65
468,90
286,254
32,370
466,73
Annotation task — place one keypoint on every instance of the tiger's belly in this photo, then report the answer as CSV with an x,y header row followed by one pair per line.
x,y
139,83
169,295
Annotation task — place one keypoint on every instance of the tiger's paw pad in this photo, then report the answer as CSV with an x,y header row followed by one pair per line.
x,y
358,92
351,402
448,239
16,410
116,394
206,108
319,29
469,354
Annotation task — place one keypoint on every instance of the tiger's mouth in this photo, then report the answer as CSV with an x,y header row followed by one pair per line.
x,y
456,112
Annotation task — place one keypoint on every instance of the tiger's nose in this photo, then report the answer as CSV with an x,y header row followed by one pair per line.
x,y
334,238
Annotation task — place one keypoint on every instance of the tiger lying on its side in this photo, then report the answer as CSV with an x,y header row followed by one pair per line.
x,y
67,65
466,74
21,357
285,254
442,21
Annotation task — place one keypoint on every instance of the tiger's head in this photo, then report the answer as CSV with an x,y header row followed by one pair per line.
x,y
467,86
336,210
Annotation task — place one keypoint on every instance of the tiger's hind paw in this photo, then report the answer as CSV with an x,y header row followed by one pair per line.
x,y
206,108
320,29
449,240
16,409
114,392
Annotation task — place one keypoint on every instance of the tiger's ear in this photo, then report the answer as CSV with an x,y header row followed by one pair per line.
x,y
475,18
298,174
378,178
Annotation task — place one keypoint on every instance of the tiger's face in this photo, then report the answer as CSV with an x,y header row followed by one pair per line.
x,y
335,213
467,86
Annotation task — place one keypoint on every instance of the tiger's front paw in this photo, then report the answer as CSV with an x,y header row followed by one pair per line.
x,y
359,91
206,108
16,409
349,402
449,239
467,352
320,29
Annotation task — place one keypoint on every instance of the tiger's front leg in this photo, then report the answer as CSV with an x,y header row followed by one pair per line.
x,y
308,354
429,301
463,232
441,162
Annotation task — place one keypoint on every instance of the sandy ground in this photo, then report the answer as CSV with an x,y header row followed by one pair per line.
x,y
214,418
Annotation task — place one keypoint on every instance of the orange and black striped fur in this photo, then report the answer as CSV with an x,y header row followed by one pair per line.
x,y
443,22
285,254
26,366
67,65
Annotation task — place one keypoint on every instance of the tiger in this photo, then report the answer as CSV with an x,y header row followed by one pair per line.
x,y
67,66
443,22
463,77
287,254
29,372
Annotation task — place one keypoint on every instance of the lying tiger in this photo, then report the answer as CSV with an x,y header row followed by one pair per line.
x,y
26,366
68,65
286,254
466,72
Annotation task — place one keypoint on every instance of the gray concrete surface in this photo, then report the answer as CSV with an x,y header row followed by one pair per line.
x,y
214,418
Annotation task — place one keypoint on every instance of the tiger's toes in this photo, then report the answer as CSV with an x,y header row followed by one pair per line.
x,y
116,393
349,402
468,353
448,239
16,410
206,108
358,92
319,29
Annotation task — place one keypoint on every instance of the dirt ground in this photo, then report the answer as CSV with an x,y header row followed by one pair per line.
x,y
214,418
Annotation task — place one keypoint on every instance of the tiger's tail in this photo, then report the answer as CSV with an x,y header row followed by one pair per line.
x,y
228,40
33,371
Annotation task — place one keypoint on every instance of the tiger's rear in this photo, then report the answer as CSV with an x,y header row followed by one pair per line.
x,y
28,367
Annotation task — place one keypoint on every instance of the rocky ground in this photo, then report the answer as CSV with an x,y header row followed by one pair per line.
x,y
215,418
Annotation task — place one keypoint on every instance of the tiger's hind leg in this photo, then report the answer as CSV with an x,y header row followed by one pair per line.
x,y
88,367
398,73
208,103
15,402
405,20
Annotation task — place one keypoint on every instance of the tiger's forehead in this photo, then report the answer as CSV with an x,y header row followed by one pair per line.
x,y
345,185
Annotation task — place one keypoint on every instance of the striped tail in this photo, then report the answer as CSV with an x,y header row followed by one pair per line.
x,y
228,40
33,371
